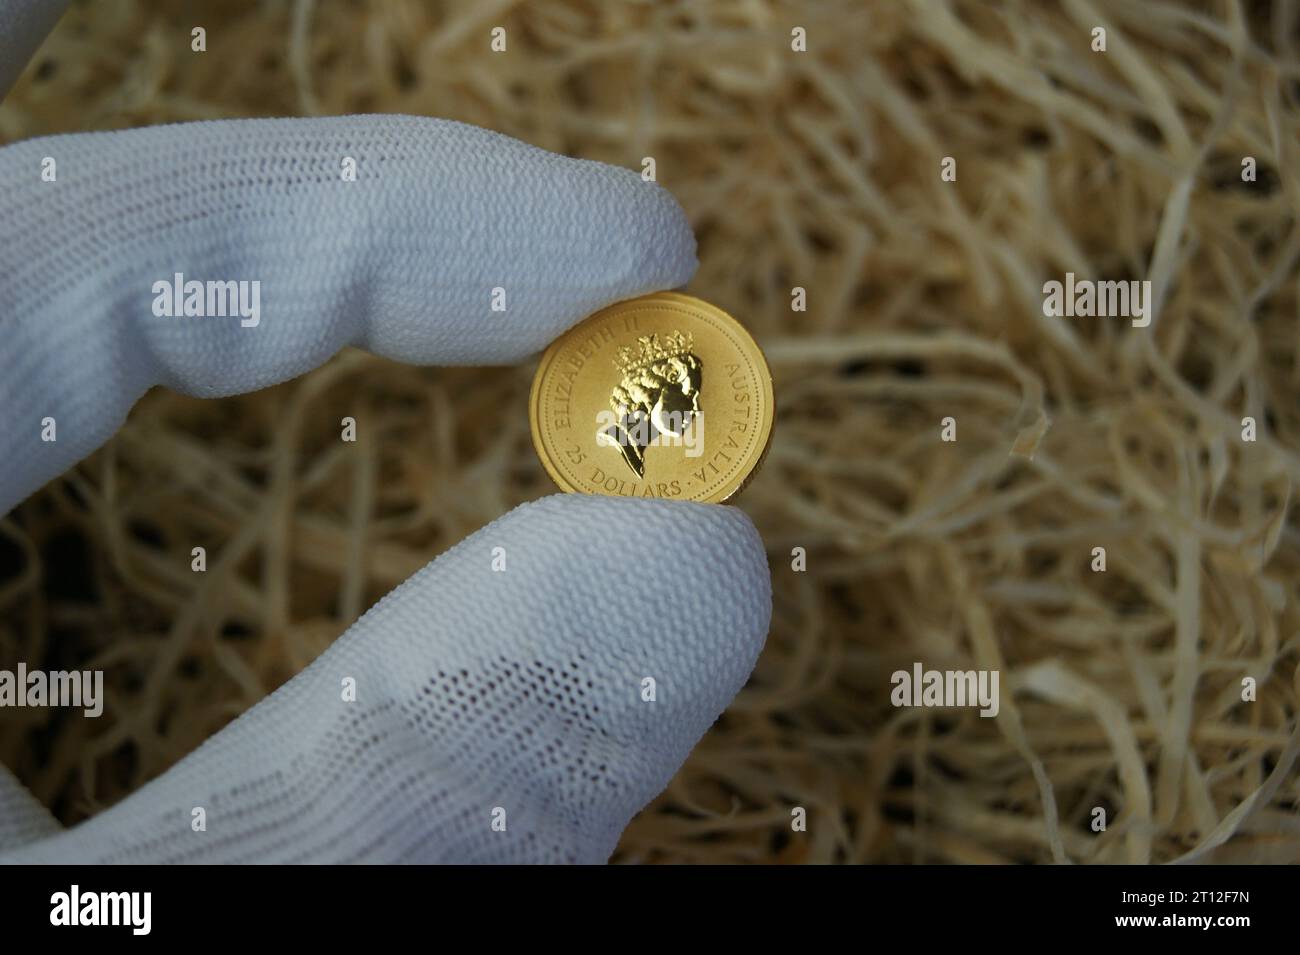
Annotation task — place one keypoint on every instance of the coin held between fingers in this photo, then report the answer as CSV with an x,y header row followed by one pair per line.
x,y
660,396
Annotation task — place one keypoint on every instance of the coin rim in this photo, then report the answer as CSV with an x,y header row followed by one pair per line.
x,y
764,375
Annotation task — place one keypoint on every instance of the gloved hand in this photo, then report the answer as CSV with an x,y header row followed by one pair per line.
x,y
481,696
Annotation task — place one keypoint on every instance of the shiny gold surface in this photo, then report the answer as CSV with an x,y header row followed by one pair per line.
x,y
659,396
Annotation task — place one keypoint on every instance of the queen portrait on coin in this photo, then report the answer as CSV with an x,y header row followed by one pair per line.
x,y
658,396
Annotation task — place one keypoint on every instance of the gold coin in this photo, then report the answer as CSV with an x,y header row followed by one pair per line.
x,y
659,396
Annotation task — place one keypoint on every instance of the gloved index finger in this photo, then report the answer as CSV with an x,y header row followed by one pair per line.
x,y
222,257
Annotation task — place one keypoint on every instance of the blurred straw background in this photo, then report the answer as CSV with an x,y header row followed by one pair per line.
x,y
1120,690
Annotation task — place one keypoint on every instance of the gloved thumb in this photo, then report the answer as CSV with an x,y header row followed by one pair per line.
x,y
518,700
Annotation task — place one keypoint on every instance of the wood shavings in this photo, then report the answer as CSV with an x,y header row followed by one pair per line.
x,y
821,171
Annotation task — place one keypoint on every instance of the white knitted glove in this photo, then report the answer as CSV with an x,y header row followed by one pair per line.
x,y
482,697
